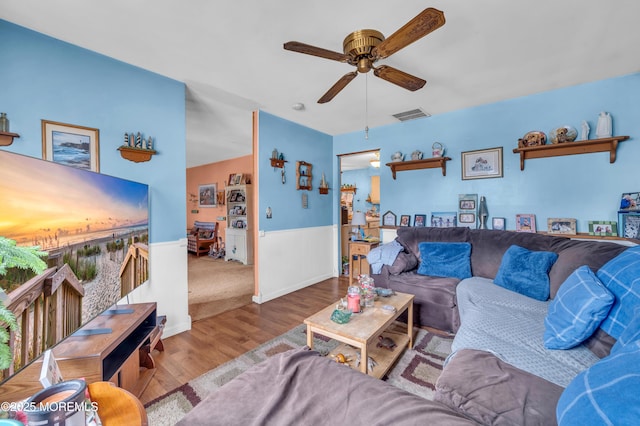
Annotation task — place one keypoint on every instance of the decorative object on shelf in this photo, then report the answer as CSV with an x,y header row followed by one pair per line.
x,y
526,223
563,134
468,210
303,176
482,164
444,219
437,150
498,223
584,147
604,128
397,156
136,148
324,186
420,220
405,220
389,218
4,122
533,138
72,145
274,154
416,155
584,131
629,225
603,228
347,187
208,195
561,226
277,160
483,213
629,202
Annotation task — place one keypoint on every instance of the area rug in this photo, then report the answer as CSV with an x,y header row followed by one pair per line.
x,y
416,371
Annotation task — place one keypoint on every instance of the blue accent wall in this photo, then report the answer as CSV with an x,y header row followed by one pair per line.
x,y
45,78
585,187
297,143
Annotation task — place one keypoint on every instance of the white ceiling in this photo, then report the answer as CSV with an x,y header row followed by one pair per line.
x,y
229,53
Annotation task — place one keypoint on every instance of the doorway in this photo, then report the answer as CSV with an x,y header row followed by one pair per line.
x,y
359,192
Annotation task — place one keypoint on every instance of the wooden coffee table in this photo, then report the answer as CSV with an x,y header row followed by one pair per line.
x,y
361,333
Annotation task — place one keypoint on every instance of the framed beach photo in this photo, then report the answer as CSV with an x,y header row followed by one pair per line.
x,y
405,220
420,220
498,223
561,226
389,219
444,219
525,223
482,164
71,145
208,195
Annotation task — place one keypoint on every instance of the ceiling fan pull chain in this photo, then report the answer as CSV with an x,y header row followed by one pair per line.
x,y
366,106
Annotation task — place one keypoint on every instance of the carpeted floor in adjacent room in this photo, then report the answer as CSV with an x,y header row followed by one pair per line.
x,y
216,286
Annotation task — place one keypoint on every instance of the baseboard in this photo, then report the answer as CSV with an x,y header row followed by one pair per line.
x,y
176,328
262,298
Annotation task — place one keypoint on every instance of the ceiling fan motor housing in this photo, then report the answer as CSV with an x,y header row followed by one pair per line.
x,y
359,45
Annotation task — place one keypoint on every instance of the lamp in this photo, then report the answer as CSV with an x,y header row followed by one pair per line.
x,y
483,213
358,219
375,162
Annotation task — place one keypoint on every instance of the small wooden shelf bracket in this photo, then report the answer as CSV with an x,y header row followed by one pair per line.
x,y
429,163
6,138
137,155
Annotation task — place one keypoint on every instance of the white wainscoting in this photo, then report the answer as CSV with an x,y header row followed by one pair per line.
x,y
167,285
292,259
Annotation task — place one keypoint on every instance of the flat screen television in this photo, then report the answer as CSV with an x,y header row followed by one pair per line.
x,y
86,222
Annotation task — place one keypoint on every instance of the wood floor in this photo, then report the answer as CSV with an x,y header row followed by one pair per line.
x,y
216,340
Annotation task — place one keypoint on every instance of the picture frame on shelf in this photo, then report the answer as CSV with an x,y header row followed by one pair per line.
x,y
498,223
603,228
482,164
562,226
420,220
526,223
237,179
467,204
389,219
466,219
405,220
629,225
208,195
629,202
232,178
444,219
71,145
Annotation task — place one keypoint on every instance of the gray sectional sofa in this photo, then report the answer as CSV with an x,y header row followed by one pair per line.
x,y
510,297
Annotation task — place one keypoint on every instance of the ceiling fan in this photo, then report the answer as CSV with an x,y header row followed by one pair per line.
x,y
363,48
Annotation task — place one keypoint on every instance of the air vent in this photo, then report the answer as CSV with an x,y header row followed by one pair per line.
x,y
411,114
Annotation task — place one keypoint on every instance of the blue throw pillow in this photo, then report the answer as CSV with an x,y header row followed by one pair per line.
x,y
445,260
578,309
630,334
621,275
608,392
526,272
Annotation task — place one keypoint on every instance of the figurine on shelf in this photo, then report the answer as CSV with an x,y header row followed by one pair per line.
x,y
604,128
139,140
584,134
150,143
126,139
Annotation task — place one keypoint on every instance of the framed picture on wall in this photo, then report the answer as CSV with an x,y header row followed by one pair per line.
x,y
482,164
71,145
405,220
208,195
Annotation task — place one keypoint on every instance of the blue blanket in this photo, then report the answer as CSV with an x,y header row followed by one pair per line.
x,y
384,254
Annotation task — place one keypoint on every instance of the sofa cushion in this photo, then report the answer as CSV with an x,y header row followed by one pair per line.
x,y
577,310
410,237
492,392
630,334
621,275
526,272
404,262
608,392
445,259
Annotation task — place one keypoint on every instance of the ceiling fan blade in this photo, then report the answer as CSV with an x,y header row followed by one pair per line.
x,y
398,77
427,21
336,88
296,46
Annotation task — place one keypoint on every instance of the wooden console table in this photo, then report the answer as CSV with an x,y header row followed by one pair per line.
x,y
113,347
117,406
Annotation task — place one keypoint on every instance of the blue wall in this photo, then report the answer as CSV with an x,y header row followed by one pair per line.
x,y
361,179
297,143
585,187
45,78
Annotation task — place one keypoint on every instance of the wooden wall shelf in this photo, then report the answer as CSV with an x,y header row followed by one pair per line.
x,y
6,138
352,189
137,155
429,163
323,191
571,148
277,163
